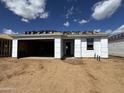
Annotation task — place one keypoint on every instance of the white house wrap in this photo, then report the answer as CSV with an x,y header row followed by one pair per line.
x,y
60,45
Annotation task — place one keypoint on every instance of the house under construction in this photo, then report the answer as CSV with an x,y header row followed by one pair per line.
x,y
54,44
116,45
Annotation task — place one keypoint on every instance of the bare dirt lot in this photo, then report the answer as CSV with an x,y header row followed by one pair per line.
x,y
62,76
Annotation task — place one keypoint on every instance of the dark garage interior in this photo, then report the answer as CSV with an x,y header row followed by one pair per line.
x,y
36,48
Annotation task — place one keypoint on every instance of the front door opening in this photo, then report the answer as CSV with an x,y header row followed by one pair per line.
x,y
69,48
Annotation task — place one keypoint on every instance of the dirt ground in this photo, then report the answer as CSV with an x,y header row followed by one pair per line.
x,y
62,76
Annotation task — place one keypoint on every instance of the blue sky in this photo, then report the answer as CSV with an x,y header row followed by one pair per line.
x,y
61,15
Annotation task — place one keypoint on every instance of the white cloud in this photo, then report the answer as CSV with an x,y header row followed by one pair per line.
x,y
24,20
67,24
69,12
105,8
44,15
27,9
119,30
116,31
83,21
109,31
8,31
75,20
97,30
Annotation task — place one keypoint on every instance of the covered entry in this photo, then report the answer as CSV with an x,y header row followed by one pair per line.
x,y
68,47
36,48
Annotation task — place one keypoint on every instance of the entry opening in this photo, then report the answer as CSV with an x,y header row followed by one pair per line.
x,y
36,48
68,48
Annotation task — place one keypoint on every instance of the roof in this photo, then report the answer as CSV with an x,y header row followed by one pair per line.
x,y
116,37
5,36
63,32
52,35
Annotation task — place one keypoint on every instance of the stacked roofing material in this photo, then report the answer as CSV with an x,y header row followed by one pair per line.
x,y
52,32
59,32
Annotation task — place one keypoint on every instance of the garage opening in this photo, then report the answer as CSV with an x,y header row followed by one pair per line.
x,y
36,48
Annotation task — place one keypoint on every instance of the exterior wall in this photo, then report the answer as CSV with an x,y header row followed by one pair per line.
x,y
100,48
91,53
15,48
97,46
80,48
58,47
104,48
77,48
116,48
84,47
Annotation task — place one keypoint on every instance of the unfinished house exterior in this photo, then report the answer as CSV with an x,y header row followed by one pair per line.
x,y
5,46
116,45
59,44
